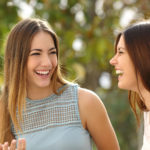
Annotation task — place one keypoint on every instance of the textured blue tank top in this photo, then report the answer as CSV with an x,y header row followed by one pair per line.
x,y
54,123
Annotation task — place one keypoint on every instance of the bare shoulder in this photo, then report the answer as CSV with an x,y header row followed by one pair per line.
x,y
95,119
90,99
86,92
90,105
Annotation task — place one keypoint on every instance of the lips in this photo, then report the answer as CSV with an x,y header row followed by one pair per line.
x,y
119,72
43,72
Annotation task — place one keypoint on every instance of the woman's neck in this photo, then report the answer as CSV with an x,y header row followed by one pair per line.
x,y
35,93
38,93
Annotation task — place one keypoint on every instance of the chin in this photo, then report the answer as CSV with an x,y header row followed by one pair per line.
x,y
43,85
123,87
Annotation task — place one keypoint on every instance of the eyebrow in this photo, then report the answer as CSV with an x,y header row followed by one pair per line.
x,y
37,49
118,48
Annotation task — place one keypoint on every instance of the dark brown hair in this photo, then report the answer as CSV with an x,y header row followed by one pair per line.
x,y
137,41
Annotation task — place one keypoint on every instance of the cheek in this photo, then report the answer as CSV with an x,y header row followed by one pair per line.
x,y
32,62
54,62
132,79
31,65
130,67
131,75
132,70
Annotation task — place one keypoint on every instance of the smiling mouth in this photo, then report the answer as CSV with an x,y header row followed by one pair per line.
x,y
43,72
119,72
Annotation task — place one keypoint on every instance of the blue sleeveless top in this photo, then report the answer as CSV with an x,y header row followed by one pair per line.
x,y
54,123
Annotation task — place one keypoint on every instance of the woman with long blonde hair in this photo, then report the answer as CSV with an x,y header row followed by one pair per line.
x,y
39,105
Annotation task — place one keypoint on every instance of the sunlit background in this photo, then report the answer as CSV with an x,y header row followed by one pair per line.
x,y
86,31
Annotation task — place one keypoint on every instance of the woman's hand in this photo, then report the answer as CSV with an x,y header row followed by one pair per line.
x,y
21,145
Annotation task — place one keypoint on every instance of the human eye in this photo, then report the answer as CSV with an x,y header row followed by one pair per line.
x,y
52,52
120,51
34,54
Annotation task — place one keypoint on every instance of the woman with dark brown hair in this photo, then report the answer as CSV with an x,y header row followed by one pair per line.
x,y
39,105
132,65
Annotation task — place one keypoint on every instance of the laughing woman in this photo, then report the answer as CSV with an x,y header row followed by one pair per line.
x,y
132,64
39,105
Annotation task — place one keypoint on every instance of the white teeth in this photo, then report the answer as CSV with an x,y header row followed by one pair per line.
x,y
42,72
119,72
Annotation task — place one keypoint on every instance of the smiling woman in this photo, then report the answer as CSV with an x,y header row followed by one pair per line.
x,y
42,62
39,105
124,67
132,63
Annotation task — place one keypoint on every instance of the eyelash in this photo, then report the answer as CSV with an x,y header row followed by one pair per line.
x,y
52,52
35,54
120,52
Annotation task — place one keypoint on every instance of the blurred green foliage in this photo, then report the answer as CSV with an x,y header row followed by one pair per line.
x,y
96,29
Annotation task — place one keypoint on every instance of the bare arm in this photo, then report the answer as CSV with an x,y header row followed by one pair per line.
x,y
95,119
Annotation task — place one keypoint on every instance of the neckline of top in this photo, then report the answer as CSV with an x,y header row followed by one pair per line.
x,y
51,96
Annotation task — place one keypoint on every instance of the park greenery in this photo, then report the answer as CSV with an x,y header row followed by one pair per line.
x,y
86,31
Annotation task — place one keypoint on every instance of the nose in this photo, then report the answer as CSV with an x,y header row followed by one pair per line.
x,y
46,61
113,60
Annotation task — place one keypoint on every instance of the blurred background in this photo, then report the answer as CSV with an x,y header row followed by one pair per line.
x,y
86,31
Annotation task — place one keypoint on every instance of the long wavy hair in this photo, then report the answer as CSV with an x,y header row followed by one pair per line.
x,y
137,41
15,60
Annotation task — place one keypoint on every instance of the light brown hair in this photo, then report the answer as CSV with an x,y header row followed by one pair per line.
x,y
15,60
